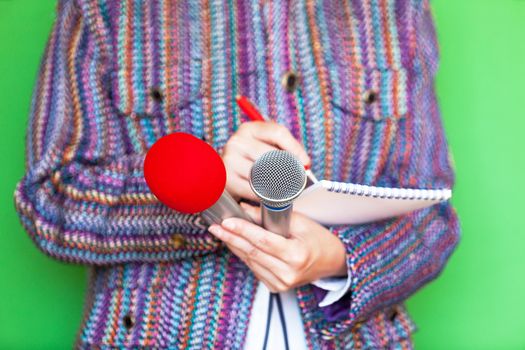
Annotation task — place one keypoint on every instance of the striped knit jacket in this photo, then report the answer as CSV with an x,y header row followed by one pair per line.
x,y
352,79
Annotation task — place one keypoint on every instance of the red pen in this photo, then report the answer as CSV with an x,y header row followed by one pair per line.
x,y
249,109
254,115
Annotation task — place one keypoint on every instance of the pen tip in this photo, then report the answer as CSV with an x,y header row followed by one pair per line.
x,y
238,97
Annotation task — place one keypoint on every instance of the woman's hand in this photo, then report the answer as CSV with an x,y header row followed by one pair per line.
x,y
312,251
248,143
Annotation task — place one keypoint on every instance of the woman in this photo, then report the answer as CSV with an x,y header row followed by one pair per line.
x,y
350,87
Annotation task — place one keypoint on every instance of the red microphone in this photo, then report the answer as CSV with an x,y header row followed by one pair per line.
x,y
186,174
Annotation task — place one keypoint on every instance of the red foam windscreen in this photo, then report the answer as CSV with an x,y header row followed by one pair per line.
x,y
184,172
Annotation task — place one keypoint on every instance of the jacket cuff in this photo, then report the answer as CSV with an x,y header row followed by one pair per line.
x,y
333,295
335,287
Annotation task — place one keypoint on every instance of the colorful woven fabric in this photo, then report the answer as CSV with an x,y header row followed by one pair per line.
x,y
118,75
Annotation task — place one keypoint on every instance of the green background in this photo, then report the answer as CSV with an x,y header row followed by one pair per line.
x,y
477,303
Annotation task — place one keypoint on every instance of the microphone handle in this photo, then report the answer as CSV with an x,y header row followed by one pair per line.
x,y
277,220
225,207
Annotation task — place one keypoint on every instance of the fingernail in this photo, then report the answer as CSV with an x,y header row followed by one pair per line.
x,y
214,229
229,224
308,163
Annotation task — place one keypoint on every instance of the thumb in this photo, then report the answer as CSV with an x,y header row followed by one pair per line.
x,y
253,212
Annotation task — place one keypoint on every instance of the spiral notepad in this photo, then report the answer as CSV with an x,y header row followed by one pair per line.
x,y
334,203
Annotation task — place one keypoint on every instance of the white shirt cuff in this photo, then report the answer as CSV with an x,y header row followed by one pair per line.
x,y
336,287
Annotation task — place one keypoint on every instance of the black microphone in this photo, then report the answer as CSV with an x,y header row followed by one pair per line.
x,y
277,178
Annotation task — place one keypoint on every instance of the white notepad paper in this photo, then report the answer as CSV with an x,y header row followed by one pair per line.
x,y
339,203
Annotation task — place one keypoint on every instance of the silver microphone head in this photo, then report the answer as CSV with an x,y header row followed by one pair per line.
x,y
277,178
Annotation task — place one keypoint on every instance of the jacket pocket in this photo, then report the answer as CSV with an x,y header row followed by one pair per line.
x,y
374,94
150,108
155,71
134,94
370,107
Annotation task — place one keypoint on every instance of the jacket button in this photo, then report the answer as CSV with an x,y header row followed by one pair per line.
x,y
178,241
55,177
156,94
359,324
127,320
393,314
370,97
290,81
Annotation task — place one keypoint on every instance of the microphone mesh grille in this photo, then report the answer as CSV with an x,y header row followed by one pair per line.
x,y
277,178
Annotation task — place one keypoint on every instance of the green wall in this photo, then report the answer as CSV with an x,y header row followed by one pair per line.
x,y
477,303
